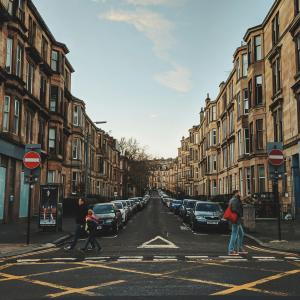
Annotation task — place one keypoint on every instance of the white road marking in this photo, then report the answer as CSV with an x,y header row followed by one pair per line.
x,y
183,228
263,257
28,260
164,259
230,257
291,257
196,233
129,259
167,244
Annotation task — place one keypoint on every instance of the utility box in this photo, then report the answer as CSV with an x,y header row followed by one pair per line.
x,y
249,217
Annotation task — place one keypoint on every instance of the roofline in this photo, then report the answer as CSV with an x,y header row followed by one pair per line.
x,y
46,28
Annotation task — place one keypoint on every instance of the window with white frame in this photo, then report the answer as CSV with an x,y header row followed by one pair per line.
x,y
231,122
214,187
257,48
75,182
29,77
248,181
52,139
231,153
98,188
247,141
16,116
238,102
214,137
76,151
241,181
240,143
51,176
246,101
19,60
6,109
9,50
238,69
245,65
261,179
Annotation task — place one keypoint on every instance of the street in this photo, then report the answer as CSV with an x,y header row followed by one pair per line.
x,y
155,255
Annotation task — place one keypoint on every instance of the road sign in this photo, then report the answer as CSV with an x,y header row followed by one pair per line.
x,y
276,157
32,160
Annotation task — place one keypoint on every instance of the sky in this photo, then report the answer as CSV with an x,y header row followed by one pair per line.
x,y
146,66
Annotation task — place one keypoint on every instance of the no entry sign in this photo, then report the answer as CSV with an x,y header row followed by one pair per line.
x,y
276,157
32,160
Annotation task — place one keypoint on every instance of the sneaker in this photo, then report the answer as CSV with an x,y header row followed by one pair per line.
x,y
233,253
68,248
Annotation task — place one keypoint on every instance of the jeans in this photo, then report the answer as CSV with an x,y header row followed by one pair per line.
x,y
92,239
233,238
237,238
240,239
76,235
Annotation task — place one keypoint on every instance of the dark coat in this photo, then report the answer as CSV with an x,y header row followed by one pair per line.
x,y
236,206
81,213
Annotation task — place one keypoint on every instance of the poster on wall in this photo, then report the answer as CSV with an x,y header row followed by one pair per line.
x,y
49,197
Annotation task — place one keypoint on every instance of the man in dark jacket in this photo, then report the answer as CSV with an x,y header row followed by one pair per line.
x,y
81,213
237,232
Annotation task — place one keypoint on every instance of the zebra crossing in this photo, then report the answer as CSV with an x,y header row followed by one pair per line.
x,y
167,258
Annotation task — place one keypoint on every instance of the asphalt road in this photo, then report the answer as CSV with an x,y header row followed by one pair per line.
x,y
155,255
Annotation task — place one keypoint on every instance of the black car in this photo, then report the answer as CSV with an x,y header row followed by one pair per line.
x,y
175,206
110,217
208,215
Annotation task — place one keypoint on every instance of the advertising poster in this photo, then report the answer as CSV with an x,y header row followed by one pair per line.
x,y
48,206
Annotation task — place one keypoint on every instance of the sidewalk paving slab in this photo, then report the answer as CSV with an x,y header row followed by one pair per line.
x,y
13,237
266,235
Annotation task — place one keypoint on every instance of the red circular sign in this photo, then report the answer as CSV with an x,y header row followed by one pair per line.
x,y
32,160
276,157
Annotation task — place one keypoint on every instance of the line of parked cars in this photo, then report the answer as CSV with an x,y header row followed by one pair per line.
x,y
115,214
198,214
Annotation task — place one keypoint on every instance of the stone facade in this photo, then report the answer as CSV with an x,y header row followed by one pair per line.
x,y
37,107
259,103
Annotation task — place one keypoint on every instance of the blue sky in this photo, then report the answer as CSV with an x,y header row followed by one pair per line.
x,y
146,66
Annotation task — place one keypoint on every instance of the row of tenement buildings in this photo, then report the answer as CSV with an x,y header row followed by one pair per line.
x,y
258,103
37,107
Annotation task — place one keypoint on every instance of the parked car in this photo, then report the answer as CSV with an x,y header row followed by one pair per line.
x,y
175,206
127,210
130,208
208,215
138,203
182,209
110,216
189,207
120,206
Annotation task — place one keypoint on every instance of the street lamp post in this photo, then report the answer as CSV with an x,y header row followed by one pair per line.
x,y
87,161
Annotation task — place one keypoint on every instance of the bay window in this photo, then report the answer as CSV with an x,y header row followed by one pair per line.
x,y
6,110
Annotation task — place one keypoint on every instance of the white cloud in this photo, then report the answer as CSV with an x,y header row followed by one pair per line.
x,y
149,2
153,116
155,27
178,79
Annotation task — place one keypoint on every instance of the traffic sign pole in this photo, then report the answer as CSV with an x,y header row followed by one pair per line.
x,y
29,211
32,163
276,161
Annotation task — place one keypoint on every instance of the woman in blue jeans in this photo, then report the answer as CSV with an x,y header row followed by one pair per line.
x,y
236,243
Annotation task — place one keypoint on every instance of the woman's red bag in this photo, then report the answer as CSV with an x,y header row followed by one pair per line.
x,y
230,215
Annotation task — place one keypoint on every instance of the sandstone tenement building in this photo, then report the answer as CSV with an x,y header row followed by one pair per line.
x,y
258,103
37,107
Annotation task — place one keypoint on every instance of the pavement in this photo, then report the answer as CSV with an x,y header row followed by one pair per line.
x,y
13,237
154,255
266,235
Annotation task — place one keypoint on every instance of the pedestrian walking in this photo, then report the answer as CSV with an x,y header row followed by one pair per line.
x,y
236,243
81,213
92,223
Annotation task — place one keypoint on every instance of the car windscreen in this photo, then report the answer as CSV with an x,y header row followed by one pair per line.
x,y
119,205
104,209
208,207
176,202
191,204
